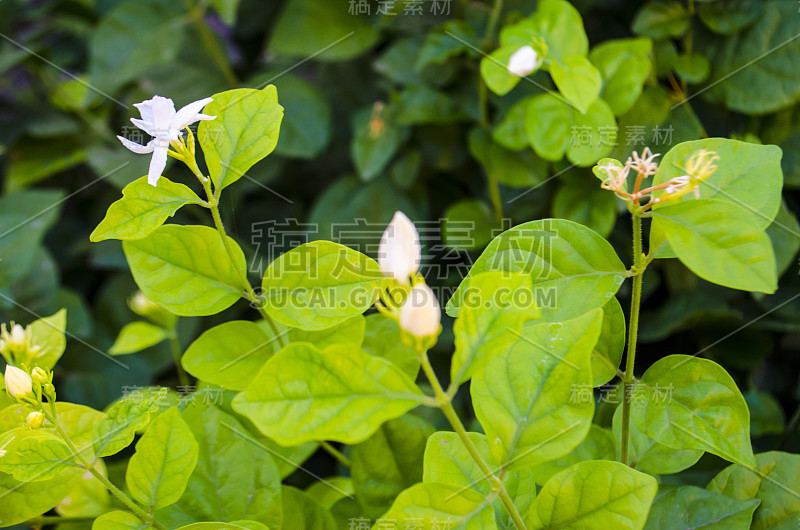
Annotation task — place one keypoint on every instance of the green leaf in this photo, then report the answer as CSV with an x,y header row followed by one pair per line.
x,y
137,336
721,242
604,495
321,29
685,402
468,224
607,353
306,126
165,457
388,462
496,304
693,68
598,445
661,19
572,269
33,456
227,10
214,526
533,416
766,413
230,354
221,488
730,17
510,132
119,520
747,68
88,497
304,513
578,80
186,269
494,70
515,169
24,500
624,65
320,284
586,203
124,418
331,491
784,232
693,507
376,138
774,480
747,175
48,334
382,338
649,456
554,128
339,393
142,209
431,504
557,22
245,131
350,331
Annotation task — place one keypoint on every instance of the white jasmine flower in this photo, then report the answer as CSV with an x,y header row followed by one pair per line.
x,y
399,253
164,124
523,61
18,382
420,314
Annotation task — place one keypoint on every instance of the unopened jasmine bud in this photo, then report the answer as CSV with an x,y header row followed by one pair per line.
x,y
40,376
35,420
18,383
420,314
399,253
523,61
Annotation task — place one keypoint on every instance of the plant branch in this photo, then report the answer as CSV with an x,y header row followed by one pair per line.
x,y
175,347
212,46
335,453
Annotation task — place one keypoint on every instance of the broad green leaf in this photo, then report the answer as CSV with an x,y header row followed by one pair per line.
x,y
124,418
598,445
495,306
624,65
33,456
721,242
747,175
730,17
304,513
328,492
577,80
25,217
431,504
555,128
213,526
647,455
557,22
510,132
693,68
784,232
34,160
586,203
350,331
119,520
661,19
230,354
376,138
48,334
221,488
89,497
774,480
306,125
468,225
319,284
382,338
388,462
321,29
244,132
693,507
685,402
142,209
339,393
452,38
607,353
594,494
165,457
24,500
572,269
186,269
747,68
137,336
766,413
533,416
494,70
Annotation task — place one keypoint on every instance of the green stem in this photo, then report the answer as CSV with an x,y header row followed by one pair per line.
x,y
633,330
175,346
213,205
335,453
451,415
483,102
140,512
210,43
45,520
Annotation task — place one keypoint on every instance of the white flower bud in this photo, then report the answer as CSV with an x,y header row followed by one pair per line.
x,y
523,61
40,376
420,314
18,382
35,420
399,253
